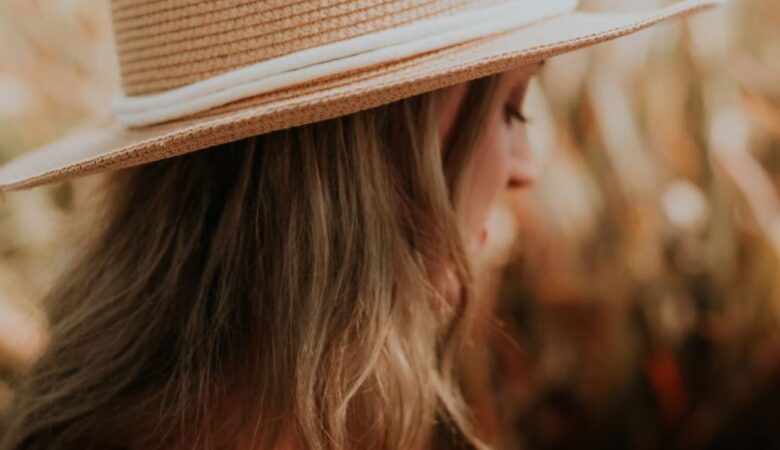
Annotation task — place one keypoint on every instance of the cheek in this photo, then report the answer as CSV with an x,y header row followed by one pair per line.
x,y
487,178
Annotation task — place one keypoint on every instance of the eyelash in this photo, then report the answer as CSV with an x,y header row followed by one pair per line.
x,y
513,113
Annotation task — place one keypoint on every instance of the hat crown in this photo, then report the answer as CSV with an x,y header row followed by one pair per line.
x,y
167,44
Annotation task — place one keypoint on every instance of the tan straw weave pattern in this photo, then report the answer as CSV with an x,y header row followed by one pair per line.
x,y
162,47
134,32
151,11
278,29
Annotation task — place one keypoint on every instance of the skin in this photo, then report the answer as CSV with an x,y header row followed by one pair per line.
x,y
503,159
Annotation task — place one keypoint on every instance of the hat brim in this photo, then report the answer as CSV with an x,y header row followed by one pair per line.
x,y
110,146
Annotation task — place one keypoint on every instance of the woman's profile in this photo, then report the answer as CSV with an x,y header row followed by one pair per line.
x,y
280,257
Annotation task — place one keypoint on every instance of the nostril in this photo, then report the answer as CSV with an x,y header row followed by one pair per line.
x,y
522,174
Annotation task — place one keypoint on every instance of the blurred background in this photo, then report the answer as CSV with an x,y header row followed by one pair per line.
x,y
635,285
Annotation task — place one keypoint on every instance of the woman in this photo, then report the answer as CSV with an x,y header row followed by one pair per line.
x,y
302,279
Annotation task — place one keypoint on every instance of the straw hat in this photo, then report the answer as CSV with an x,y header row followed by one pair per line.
x,y
199,73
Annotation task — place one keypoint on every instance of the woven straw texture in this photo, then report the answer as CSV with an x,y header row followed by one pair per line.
x,y
112,147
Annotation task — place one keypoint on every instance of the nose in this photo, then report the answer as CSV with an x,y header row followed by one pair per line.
x,y
522,169
519,183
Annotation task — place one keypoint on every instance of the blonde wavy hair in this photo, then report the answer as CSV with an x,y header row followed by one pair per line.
x,y
284,285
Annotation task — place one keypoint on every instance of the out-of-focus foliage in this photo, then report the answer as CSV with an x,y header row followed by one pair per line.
x,y
640,304
56,73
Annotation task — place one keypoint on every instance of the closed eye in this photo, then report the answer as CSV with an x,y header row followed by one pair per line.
x,y
512,112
